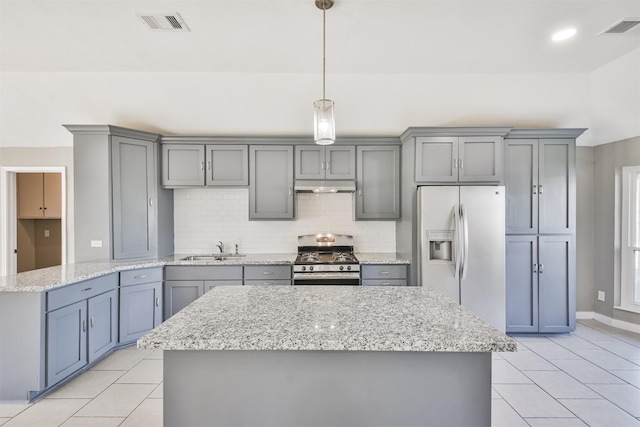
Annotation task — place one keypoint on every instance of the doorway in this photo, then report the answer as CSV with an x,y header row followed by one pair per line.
x,y
31,239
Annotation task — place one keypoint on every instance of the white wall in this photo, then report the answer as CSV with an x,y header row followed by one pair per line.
x,y
204,216
615,99
34,105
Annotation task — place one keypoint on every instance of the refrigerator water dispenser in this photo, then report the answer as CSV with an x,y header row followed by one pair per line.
x,y
440,245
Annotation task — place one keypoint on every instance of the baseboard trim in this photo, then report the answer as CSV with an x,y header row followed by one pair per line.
x,y
616,323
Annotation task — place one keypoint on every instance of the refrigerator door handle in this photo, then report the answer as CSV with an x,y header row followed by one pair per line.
x,y
465,244
456,241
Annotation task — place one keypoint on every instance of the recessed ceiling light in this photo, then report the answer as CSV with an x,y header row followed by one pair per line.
x,y
564,34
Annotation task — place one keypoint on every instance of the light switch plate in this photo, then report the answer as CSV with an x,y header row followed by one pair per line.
x,y
46,233
96,243
600,295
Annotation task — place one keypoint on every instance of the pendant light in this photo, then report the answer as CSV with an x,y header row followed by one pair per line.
x,y
323,119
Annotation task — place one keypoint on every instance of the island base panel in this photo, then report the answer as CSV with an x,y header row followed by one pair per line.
x,y
326,388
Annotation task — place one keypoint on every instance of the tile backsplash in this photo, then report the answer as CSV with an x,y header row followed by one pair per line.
x,y
202,217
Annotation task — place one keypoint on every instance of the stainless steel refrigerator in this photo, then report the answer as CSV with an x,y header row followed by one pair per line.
x,y
461,249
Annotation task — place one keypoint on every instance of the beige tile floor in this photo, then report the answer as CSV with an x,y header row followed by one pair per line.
x,y
588,378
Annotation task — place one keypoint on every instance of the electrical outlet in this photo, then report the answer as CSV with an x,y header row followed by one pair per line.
x,y
600,295
96,243
46,233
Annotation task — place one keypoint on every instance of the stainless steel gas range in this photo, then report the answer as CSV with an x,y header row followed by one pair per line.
x,y
326,259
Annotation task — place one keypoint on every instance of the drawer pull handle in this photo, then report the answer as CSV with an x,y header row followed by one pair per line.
x,y
140,277
385,283
541,268
86,289
267,283
157,301
84,326
384,272
91,323
267,273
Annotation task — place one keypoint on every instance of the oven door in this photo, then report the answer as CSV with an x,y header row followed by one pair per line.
x,y
327,278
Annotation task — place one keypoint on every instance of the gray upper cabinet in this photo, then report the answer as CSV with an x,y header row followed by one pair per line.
x,y
196,165
271,182
182,165
227,165
121,212
316,162
378,182
451,159
540,186
134,222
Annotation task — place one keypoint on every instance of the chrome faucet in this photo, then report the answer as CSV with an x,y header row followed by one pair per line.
x,y
220,246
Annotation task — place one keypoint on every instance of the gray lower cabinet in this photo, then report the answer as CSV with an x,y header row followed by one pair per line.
x,y
332,162
540,186
271,182
383,275
140,302
268,275
81,330
378,182
452,159
185,284
540,282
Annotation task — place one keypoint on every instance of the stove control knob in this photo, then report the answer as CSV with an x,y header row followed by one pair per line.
x,y
311,268
304,268
348,267
341,267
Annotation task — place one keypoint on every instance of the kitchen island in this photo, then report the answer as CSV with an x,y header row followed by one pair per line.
x,y
326,356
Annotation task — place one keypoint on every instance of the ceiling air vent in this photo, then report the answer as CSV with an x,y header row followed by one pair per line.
x,y
621,27
163,21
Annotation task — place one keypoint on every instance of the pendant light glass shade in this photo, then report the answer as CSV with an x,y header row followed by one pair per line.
x,y
324,124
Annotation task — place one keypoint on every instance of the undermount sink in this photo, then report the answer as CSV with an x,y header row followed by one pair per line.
x,y
212,257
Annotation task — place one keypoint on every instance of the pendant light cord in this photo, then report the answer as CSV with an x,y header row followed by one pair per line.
x,y
324,26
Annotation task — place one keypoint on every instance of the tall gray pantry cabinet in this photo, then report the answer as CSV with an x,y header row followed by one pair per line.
x,y
540,242
121,212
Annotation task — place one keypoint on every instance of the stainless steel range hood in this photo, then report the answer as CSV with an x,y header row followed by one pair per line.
x,y
309,186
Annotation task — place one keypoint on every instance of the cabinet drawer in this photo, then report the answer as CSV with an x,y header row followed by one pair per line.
x,y
204,272
138,277
80,291
378,282
267,272
267,282
384,271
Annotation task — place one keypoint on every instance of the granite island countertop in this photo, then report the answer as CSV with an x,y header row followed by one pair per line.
x,y
350,318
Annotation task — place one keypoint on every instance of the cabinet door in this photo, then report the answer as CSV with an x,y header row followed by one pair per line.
x,y
52,184
556,186
378,192
480,159
103,324
227,165
521,184
140,310
556,277
310,162
181,293
522,283
182,165
340,162
271,182
30,195
66,341
437,159
134,226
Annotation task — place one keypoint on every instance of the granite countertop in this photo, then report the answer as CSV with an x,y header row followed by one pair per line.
x,y
351,318
54,277
380,258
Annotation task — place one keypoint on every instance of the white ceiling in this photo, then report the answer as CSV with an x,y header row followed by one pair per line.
x,y
279,36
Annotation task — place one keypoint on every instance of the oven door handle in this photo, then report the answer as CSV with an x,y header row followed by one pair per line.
x,y
327,275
